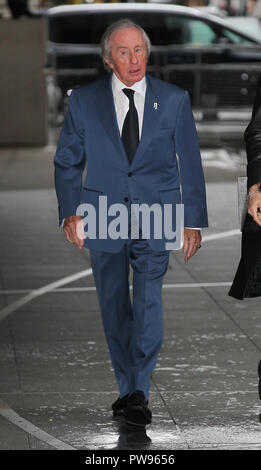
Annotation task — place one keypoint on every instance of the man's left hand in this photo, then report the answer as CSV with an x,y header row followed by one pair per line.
x,y
192,239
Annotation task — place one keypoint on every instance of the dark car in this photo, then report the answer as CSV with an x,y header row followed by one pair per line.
x,y
218,64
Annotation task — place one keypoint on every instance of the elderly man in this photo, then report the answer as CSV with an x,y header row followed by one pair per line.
x,y
138,138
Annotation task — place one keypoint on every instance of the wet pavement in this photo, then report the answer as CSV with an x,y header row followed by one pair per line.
x,y
57,384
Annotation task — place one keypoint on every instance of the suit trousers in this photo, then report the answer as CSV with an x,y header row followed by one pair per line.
x,y
133,328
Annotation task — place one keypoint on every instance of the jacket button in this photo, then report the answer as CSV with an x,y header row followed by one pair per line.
x,y
126,199
130,173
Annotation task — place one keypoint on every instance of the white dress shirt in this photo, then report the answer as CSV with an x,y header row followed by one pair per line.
x,y
121,101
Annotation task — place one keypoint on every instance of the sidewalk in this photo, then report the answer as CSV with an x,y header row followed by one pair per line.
x,y
54,364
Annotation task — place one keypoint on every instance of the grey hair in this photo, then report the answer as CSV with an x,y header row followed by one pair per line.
x,y
121,24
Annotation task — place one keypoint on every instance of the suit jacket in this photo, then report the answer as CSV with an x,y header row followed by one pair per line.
x,y
247,281
165,169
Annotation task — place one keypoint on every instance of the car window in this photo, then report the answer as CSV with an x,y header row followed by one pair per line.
x,y
162,28
184,30
196,32
234,37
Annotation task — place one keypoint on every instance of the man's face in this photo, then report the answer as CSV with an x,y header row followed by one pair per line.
x,y
128,55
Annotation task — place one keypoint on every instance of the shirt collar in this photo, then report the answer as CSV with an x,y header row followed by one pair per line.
x,y
139,87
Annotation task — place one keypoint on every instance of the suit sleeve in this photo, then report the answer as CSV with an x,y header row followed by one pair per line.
x,y
253,141
190,167
69,160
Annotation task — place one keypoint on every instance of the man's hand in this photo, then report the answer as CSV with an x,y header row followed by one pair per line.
x,y
73,229
192,239
254,203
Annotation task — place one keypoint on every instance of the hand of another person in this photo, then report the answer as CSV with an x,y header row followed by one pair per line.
x,y
254,205
74,230
192,239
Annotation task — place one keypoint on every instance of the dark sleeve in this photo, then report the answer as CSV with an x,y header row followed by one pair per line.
x,y
253,141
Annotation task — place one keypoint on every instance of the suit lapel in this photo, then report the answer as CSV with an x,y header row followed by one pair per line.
x,y
106,111
151,118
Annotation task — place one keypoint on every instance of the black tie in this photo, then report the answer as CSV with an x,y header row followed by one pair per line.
x,y
130,130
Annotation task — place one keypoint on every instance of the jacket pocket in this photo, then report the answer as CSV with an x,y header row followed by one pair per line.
x,y
91,196
88,188
170,196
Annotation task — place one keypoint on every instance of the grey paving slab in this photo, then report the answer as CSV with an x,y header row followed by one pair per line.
x,y
36,444
11,437
218,367
207,360
222,204
247,307
33,208
5,333
85,421
2,297
9,381
7,354
177,272
26,167
48,253
59,303
210,343
34,276
191,320
180,299
14,399
206,375
215,261
76,305
60,366
60,253
212,420
255,337
34,324
188,382
245,314
38,239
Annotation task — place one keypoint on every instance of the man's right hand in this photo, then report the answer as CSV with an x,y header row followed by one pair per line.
x,y
254,205
73,230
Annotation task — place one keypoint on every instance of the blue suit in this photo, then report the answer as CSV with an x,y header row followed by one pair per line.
x,y
166,169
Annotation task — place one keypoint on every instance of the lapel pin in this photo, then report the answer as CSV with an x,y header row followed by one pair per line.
x,y
155,105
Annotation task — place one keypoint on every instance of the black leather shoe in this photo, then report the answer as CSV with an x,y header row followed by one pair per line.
x,y
137,411
118,407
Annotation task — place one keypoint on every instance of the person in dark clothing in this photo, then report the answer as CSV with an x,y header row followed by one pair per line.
x,y
247,281
20,8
